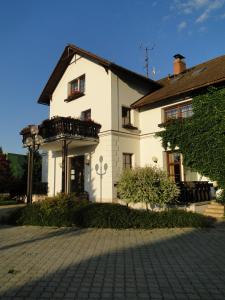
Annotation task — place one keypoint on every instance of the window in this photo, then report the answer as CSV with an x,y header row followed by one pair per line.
x,y
174,166
76,88
127,160
181,111
86,115
125,116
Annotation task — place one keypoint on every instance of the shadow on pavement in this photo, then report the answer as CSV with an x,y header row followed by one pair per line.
x,y
110,264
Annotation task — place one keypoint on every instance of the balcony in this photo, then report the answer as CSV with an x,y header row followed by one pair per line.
x,y
60,128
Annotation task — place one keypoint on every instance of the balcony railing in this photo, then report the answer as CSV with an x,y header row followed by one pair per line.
x,y
195,191
59,127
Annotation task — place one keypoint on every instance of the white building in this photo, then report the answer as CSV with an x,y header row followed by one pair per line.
x,y
103,118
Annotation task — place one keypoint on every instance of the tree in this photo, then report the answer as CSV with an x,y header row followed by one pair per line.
x,y
5,173
201,138
148,185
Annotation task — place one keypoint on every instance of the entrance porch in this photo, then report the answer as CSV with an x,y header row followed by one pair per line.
x,y
63,136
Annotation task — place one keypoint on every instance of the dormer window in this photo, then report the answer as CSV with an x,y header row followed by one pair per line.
x,y
76,88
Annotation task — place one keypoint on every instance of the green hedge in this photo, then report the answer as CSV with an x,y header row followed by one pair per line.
x,y
69,212
119,216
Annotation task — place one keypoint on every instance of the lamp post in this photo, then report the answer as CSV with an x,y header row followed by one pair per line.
x,y
32,143
100,172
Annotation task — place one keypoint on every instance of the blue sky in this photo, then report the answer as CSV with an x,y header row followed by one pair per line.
x,y
33,35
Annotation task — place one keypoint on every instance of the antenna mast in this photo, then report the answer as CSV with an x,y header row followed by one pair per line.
x,y
147,62
146,65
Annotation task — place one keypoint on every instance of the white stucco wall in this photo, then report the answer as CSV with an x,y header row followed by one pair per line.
x,y
97,93
150,145
44,167
124,93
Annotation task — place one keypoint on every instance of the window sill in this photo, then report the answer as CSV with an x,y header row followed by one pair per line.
x,y
171,121
130,126
74,96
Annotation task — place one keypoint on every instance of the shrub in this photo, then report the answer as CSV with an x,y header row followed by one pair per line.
x,y
66,211
105,215
148,185
55,211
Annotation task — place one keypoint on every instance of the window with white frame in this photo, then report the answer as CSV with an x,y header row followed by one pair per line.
x,y
77,87
180,111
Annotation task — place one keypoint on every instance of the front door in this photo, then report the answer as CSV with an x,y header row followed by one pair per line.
x,y
77,174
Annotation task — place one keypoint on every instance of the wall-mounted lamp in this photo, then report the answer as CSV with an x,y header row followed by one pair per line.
x,y
87,159
155,159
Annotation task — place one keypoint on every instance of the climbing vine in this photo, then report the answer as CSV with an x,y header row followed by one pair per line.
x,y
201,138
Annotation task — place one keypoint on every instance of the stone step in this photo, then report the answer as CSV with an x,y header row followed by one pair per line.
x,y
213,209
214,214
216,205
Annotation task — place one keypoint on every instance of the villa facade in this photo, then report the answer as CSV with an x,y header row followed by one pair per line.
x,y
103,118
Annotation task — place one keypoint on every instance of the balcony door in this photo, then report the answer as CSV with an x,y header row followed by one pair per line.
x,y
174,166
77,174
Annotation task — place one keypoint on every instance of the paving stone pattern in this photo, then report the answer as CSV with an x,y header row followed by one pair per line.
x,y
50,263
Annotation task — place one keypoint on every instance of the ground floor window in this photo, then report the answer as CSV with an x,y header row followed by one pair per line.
x,y
174,166
127,160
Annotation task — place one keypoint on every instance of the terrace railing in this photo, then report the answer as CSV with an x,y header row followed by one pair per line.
x,y
65,127
195,191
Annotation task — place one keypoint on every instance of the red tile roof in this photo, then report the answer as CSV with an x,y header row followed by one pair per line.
x,y
200,76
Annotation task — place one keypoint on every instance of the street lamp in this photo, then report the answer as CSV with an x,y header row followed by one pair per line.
x,y
32,143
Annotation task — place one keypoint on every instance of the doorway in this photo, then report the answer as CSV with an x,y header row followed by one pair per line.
x,y
77,174
174,166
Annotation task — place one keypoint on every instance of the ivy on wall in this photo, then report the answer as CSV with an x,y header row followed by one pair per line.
x,y
201,138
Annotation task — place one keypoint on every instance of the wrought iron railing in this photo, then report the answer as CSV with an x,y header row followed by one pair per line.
x,y
195,191
192,191
65,127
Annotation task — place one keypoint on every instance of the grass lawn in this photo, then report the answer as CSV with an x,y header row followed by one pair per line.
x,y
7,202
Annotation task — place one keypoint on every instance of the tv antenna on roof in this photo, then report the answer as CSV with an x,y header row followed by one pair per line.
x,y
146,60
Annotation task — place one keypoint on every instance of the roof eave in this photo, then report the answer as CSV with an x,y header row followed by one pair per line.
x,y
182,93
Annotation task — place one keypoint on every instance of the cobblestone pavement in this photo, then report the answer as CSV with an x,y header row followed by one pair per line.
x,y
49,263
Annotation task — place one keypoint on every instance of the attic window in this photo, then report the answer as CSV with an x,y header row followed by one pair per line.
x,y
76,88
77,85
198,71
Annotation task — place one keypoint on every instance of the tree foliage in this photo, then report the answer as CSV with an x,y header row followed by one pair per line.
x,y
17,186
148,185
5,173
201,138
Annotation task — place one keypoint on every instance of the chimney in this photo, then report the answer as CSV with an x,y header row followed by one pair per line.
x,y
179,64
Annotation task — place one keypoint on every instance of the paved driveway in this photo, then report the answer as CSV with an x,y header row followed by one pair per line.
x,y
48,263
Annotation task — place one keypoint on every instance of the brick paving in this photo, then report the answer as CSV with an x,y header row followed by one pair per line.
x,y
49,263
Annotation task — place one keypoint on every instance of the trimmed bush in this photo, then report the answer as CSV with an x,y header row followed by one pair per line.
x,y
149,185
105,215
56,211
66,211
